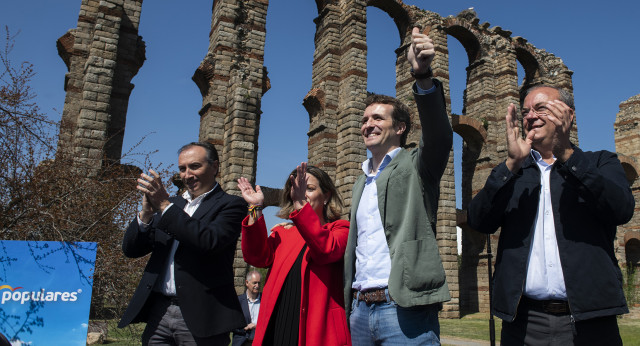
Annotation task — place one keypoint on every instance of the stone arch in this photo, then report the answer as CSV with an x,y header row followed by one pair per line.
x,y
630,167
397,12
527,57
322,132
463,28
529,64
632,248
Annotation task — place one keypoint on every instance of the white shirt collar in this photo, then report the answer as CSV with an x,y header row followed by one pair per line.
x,y
366,165
187,195
538,158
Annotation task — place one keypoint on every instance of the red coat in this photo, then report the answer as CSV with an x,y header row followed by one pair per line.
x,y
322,317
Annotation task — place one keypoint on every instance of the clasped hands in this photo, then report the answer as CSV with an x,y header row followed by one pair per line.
x,y
155,197
518,148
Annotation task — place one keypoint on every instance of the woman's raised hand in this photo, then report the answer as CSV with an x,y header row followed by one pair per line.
x,y
299,186
251,196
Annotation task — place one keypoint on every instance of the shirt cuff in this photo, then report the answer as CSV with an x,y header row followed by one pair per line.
x,y
421,91
167,208
143,226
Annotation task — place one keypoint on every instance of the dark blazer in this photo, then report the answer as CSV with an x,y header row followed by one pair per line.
x,y
240,335
590,196
203,262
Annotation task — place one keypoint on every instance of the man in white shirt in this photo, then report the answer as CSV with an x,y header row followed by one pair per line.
x,y
186,294
250,303
557,279
394,278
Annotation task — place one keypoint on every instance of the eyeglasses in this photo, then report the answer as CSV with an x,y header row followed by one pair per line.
x,y
538,111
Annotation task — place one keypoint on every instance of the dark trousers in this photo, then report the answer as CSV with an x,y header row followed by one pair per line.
x,y
166,326
533,326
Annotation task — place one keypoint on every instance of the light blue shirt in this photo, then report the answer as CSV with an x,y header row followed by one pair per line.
x,y
545,279
373,263
254,307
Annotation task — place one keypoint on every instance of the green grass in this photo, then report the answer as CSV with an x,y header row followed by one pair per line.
x,y
629,330
474,327
125,336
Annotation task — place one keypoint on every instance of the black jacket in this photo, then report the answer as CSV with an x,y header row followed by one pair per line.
x,y
240,335
590,196
203,262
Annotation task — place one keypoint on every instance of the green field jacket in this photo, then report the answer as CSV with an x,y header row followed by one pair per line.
x,y
408,192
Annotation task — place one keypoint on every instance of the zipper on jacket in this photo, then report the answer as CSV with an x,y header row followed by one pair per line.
x,y
519,299
573,321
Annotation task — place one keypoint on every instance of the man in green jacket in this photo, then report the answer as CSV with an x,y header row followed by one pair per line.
x,y
394,278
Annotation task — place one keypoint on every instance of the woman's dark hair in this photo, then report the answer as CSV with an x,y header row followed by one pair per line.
x,y
332,211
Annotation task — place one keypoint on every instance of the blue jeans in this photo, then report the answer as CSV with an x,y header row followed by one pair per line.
x,y
386,323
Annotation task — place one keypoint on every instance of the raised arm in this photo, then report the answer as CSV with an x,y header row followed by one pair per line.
x,y
255,242
437,136
328,242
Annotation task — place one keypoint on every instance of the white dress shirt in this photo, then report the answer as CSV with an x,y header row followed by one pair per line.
x,y
373,263
545,279
167,284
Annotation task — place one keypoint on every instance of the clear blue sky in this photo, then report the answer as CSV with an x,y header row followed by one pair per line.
x,y
600,44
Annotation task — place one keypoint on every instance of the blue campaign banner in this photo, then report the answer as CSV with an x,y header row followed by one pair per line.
x,y
45,291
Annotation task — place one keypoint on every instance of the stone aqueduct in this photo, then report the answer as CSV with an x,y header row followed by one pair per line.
x,y
104,53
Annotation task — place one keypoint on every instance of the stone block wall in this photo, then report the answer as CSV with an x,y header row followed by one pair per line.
x,y
232,79
627,137
102,55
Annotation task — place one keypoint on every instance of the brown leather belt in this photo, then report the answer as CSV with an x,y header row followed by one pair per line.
x,y
373,296
555,307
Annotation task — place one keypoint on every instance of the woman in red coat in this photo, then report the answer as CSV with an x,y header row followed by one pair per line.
x,y
302,300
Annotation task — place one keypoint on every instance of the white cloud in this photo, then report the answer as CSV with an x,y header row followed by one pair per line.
x,y
20,343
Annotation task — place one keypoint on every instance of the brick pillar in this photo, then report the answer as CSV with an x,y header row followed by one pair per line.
x,y
352,90
627,138
322,101
232,79
102,55
477,163
491,86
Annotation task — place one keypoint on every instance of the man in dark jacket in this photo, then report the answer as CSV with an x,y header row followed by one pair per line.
x,y
186,294
250,303
557,279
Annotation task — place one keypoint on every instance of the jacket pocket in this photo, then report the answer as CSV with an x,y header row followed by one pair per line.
x,y
421,265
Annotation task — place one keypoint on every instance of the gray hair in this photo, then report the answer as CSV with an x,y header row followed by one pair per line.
x,y
251,273
565,96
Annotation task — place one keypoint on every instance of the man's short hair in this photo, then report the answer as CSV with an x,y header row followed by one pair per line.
x,y
212,153
251,273
400,113
565,96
